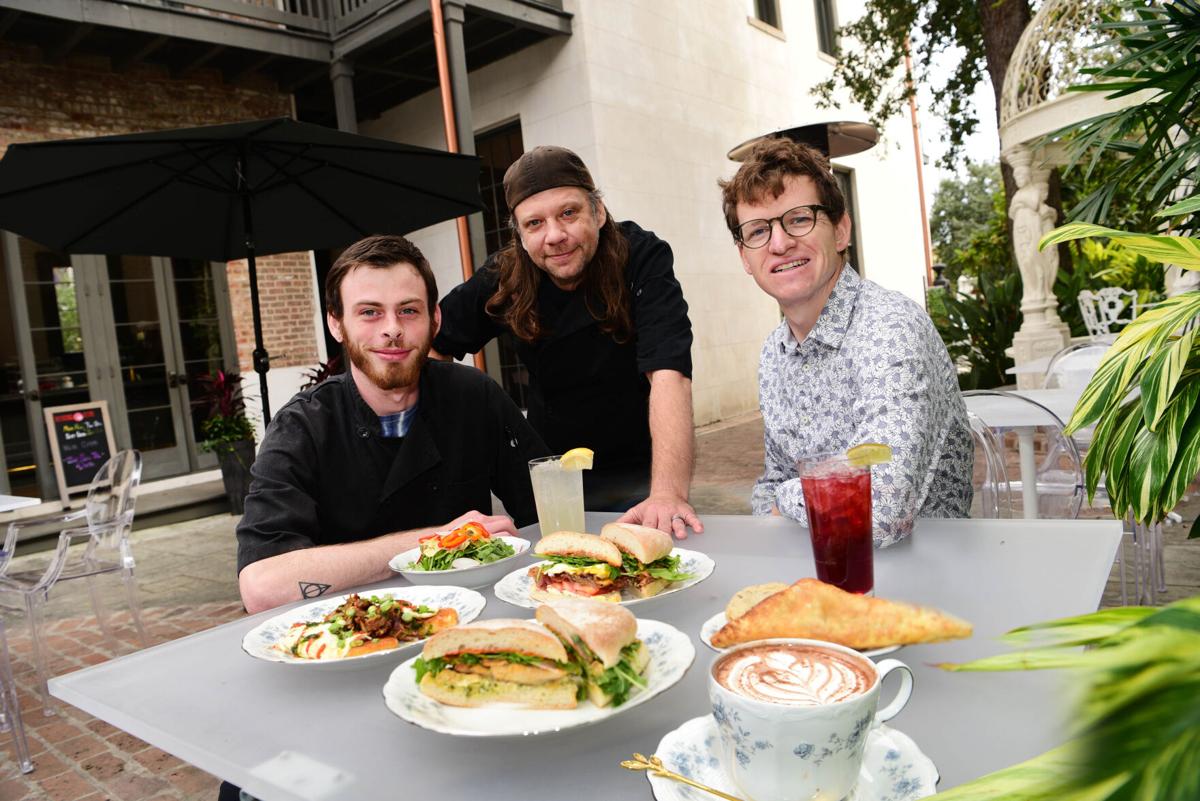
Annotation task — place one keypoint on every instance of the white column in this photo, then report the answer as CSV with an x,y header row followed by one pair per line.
x,y
1042,333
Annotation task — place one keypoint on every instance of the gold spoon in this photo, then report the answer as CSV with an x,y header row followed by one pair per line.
x,y
654,765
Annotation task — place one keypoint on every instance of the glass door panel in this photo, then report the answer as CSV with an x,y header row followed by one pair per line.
x,y
18,461
201,350
145,365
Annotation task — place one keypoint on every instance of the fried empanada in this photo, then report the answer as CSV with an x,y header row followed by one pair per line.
x,y
816,610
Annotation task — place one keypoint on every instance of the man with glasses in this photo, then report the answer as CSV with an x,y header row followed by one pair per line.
x,y
851,362
600,322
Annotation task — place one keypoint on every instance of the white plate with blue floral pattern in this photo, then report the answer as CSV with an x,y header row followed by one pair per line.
x,y
715,623
514,588
894,768
671,654
260,641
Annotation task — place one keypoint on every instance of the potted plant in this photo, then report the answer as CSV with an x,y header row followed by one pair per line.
x,y
229,434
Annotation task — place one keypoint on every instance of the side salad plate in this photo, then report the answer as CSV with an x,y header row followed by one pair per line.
x,y
476,575
269,640
715,623
894,768
514,588
671,653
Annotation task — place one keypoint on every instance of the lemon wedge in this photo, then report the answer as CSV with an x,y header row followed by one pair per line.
x,y
578,459
869,453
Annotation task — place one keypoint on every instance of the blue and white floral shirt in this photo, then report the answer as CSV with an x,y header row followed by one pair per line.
x,y
872,369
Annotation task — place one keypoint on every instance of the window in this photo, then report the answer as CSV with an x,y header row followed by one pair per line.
x,y
845,179
767,11
826,27
499,148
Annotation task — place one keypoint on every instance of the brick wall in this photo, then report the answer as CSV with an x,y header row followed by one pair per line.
x,y
83,96
285,290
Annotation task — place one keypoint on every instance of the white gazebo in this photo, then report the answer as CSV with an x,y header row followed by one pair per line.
x,y
1060,41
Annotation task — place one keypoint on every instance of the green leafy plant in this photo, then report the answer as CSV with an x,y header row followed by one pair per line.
x,y
976,328
1146,445
1157,141
226,423
1135,733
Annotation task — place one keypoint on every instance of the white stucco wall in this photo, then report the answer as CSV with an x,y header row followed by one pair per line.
x,y
652,95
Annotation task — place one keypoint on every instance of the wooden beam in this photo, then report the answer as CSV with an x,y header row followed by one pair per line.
x,y
401,74
249,69
137,56
7,20
305,78
65,47
199,61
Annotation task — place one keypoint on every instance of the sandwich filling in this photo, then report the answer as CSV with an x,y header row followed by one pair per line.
x,y
580,575
508,666
634,573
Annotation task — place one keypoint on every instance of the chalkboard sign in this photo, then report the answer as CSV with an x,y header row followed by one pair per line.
x,y
81,440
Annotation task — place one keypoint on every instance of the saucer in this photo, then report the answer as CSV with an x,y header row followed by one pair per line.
x,y
894,768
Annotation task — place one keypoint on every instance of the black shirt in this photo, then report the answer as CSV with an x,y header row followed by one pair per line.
x,y
586,389
325,474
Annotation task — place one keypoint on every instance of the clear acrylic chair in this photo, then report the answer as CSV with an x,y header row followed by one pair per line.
x,y
1043,464
107,520
10,708
1073,366
993,494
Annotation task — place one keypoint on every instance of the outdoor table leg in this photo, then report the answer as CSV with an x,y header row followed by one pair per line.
x,y
1028,471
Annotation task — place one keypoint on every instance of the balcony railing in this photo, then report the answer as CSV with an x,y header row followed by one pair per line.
x,y
312,16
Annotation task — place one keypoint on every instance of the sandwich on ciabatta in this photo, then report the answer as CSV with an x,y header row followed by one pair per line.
x,y
499,661
647,564
578,565
603,638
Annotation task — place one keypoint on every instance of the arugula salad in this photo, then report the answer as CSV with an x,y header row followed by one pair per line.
x,y
467,546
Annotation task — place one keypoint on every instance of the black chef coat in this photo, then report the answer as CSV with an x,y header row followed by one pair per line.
x,y
587,390
325,473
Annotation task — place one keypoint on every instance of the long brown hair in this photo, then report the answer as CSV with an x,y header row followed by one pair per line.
x,y
605,292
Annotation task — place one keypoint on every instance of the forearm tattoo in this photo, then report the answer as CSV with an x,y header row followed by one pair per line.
x,y
313,589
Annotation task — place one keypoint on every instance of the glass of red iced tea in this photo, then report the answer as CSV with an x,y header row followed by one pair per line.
x,y
837,496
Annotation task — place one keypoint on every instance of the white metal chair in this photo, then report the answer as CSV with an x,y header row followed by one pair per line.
x,y
993,493
107,518
1107,307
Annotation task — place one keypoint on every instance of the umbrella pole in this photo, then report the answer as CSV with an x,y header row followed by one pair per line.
x,y
262,361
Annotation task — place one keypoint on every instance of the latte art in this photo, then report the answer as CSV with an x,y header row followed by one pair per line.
x,y
794,675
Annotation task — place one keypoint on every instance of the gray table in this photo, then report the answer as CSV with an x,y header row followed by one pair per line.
x,y
205,701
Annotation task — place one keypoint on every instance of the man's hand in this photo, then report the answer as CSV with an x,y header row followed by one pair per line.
x,y
495,524
665,513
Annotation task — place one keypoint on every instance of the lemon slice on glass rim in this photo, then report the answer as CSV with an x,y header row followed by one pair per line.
x,y
869,453
577,459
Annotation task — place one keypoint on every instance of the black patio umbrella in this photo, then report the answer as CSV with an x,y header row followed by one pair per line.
x,y
227,192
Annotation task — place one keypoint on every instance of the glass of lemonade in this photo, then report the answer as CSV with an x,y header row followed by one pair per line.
x,y
558,493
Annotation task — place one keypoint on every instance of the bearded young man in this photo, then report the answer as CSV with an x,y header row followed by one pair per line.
x,y
600,323
851,362
358,468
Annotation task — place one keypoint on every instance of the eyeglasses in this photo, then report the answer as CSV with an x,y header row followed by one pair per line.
x,y
795,222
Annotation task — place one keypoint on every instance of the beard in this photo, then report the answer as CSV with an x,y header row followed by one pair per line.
x,y
389,376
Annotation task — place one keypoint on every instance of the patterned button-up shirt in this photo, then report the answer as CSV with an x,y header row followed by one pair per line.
x,y
872,369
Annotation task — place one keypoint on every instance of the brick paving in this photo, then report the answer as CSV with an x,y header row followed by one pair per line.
x,y
79,757
187,583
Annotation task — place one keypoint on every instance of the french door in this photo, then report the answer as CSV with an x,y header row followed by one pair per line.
x,y
137,331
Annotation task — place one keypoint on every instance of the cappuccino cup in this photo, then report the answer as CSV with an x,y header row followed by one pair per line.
x,y
794,715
